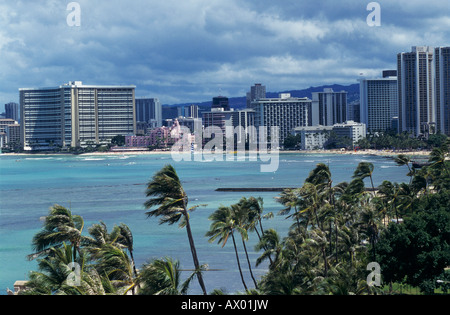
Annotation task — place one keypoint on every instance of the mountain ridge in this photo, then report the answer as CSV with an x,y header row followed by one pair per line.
x,y
239,102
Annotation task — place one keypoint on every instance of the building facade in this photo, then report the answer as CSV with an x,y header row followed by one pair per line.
x,y
228,120
378,103
285,112
315,137
329,107
442,94
415,91
12,111
75,115
149,110
257,91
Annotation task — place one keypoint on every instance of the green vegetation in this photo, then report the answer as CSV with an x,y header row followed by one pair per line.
x,y
336,231
403,141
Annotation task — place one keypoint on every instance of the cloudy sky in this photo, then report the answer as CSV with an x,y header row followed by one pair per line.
x,y
191,50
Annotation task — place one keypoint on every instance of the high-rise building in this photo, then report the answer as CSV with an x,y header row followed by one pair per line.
x,y
285,112
415,91
220,102
329,107
73,115
257,92
378,102
12,111
149,110
442,94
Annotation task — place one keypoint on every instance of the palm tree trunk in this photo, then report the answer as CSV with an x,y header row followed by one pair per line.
x,y
239,264
249,264
194,254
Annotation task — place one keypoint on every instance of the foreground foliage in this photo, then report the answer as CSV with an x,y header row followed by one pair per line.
x,y
336,231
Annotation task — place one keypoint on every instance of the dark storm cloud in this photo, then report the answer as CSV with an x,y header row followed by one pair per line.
x,y
191,50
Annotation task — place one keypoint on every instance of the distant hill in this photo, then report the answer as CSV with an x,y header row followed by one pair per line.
x,y
241,101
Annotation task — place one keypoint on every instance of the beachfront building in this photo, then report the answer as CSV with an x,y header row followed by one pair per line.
x,y
228,119
417,113
329,107
442,94
75,115
285,112
378,102
149,111
316,137
10,130
313,137
158,137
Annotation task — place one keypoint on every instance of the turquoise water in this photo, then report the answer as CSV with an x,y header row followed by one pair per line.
x,y
111,188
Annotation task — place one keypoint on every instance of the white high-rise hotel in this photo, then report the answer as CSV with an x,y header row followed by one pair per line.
x,y
378,102
424,90
74,115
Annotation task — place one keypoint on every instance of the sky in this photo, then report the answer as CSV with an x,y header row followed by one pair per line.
x,y
184,51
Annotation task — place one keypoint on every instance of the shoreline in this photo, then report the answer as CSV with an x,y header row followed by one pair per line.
x,y
385,153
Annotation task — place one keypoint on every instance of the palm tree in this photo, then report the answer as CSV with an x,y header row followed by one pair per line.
x,y
289,198
126,239
364,169
271,244
55,271
242,217
402,159
163,277
60,226
223,225
115,263
171,202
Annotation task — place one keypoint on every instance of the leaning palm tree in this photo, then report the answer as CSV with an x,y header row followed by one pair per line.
x,y
364,169
56,276
126,239
163,277
402,159
223,225
243,218
117,266
272,245
171,201
60,226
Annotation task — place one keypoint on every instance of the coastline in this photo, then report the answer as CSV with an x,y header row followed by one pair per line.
x,y
386,153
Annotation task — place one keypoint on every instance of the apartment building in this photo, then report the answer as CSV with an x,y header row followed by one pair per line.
x,y
74,115
329,107
417,113
285,112
378,102
442,94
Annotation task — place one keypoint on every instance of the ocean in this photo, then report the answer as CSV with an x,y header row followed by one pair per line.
x,y
111,188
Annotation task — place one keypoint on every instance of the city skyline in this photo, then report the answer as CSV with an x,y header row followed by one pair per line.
x,y
192,50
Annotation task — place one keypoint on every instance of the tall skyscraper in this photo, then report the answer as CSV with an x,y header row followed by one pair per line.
x,y
74,115
257,91
148,110
285,112
442,94
415,91
12,111
378,102
220,102
329,107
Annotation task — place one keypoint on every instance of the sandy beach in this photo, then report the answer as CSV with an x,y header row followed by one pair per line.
x,y
387,153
